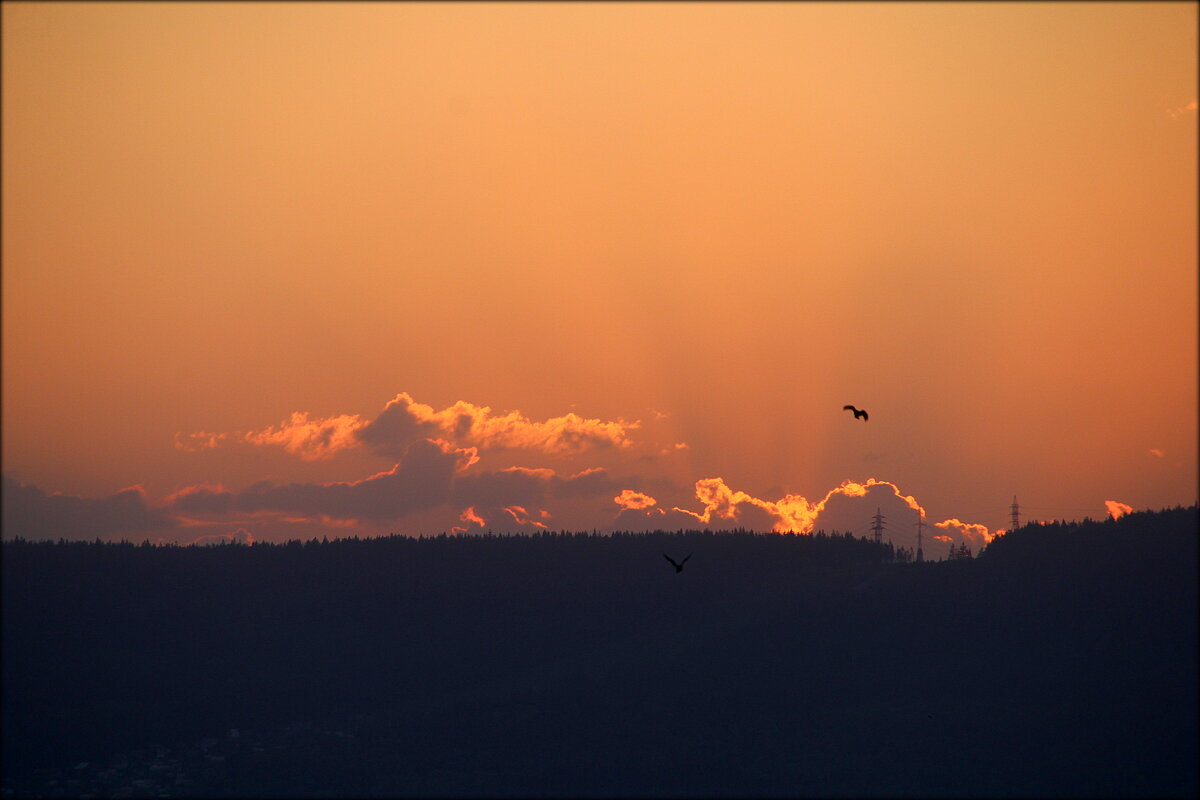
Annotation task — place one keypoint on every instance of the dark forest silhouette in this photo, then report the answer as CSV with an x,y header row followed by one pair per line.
x,y
1061,660
678,566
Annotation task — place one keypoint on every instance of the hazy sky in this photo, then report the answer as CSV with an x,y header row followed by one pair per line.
x,y
359,268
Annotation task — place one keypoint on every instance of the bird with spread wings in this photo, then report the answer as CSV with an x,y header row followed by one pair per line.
x,y
678,567
858,414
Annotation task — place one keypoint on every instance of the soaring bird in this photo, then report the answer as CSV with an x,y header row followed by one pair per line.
x,y
678,567
857,414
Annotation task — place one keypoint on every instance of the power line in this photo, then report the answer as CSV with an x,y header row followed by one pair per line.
x,y
920,528
878,526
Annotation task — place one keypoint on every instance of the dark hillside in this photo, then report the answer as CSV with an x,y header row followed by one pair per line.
x,y
583,665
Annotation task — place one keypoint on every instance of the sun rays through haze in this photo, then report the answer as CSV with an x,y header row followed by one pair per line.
x,y
277,271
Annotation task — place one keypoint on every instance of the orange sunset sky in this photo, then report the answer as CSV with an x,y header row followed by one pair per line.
x,y
282,270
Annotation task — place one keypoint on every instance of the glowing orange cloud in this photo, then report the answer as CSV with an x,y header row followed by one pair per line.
x,y
1117,509
637,501
470,517
404,421
1154,451
793,513
942,538
519,515
977,533
311,439
522,517
720,500
469,424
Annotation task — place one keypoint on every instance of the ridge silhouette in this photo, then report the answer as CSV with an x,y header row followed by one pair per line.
x,y
1103,614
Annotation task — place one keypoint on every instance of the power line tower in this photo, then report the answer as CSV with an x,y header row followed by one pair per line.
x,y
920,528
877,528
1016,514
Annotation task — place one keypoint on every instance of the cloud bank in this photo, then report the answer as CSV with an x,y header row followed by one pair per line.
x,y
790,514
436,481
404,421
31,513
432,473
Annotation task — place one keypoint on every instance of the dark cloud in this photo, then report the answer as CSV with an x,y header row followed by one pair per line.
x,y
529,487
201,500
396,428
589,483
525,487
753,518
31,513
422,480
431,474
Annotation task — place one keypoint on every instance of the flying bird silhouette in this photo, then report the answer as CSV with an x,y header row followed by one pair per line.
x,y
678,567
857,414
